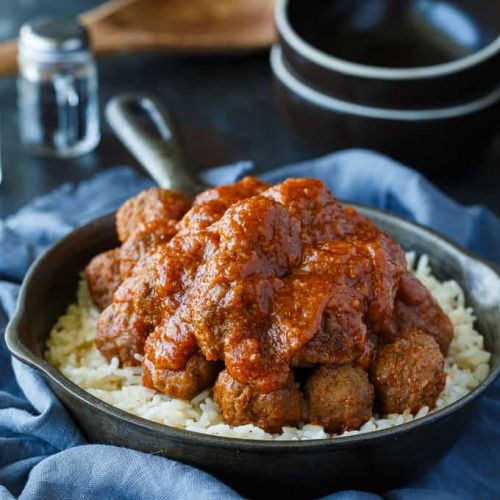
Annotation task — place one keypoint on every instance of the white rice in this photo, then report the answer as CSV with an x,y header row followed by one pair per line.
x,y
71,350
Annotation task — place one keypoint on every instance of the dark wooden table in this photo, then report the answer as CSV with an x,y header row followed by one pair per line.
x,y
225,107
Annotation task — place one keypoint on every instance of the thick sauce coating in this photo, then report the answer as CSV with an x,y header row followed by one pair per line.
x,y
143,241
121,333
142,223
261,279
415,307
150,205
408,374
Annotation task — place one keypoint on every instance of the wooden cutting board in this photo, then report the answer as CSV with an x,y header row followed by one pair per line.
x,y
175,26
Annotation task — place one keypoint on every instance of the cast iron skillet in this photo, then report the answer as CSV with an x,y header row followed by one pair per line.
x,y
378,461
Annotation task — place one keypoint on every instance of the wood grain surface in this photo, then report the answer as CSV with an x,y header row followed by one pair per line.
x,y
173,26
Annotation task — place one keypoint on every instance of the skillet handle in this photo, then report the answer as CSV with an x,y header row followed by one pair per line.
x,y
148,131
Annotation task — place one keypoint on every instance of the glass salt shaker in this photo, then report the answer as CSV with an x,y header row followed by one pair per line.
x,y
57,89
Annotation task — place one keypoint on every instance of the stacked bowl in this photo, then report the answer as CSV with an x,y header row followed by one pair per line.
x,y
416,79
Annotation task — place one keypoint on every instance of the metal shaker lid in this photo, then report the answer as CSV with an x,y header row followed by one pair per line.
x,y
52,39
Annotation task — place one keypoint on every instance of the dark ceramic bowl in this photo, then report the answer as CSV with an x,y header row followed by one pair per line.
x,y
378,461
432,140
393,53
418,80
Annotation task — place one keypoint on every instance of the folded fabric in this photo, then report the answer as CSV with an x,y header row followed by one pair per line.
x,y
44,455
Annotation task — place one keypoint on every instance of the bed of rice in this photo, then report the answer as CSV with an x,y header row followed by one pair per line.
x,y
71,350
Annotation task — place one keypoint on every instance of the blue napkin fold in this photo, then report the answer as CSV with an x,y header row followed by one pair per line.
x,y
44,455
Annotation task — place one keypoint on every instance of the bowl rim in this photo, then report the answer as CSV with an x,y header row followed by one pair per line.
x,y
333,63
22,353
286,75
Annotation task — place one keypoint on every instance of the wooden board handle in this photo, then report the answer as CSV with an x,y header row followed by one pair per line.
x,y
8,58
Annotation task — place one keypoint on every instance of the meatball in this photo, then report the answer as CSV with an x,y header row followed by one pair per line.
x,y
339,398
313,205
332,344
415,307
197,375
121,333
126,323
408,374
150,205
209,206
232,193
143,241
243,404
103,277
202,216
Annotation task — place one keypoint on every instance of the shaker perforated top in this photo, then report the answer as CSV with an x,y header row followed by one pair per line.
x,y
51,38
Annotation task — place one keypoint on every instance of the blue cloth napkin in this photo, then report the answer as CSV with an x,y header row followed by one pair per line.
x,y
44,455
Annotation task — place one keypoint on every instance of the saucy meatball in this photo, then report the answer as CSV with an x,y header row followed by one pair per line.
x,y
242,404
339,398
332,344
197,375
143,241
103,277
245,188
150,205
210,205
121,333
408,374
126,323
415,307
